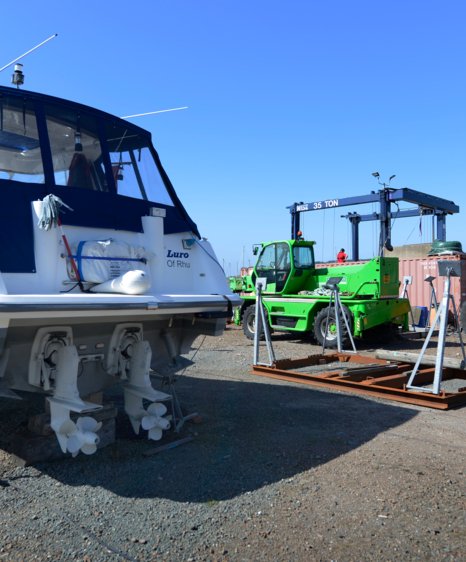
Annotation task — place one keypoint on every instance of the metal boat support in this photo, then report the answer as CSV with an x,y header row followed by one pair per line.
x,y
361,374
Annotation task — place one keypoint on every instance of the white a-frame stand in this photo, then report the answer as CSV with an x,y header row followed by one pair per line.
x,y
261,325
433,298
446,269
332,285
407,280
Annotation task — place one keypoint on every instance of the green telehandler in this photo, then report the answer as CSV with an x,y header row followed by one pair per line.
x,y
296,297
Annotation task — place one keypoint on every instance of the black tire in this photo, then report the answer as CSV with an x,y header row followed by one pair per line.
x,y
329,334
249,323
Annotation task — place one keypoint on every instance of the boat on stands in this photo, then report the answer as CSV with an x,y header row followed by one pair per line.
x,y
104,276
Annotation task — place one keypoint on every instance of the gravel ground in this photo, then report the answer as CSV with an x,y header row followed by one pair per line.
x,y
275,471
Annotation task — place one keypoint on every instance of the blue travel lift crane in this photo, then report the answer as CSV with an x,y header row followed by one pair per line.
x,y
386,197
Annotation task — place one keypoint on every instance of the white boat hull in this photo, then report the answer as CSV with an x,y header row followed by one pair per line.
x,y
103,274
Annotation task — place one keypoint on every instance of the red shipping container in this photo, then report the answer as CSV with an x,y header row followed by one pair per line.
x,y
419,292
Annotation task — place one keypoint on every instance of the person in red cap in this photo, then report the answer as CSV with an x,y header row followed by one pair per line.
x,y
342,256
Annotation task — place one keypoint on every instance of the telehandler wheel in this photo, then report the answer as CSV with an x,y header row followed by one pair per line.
x,y
328,332
249,323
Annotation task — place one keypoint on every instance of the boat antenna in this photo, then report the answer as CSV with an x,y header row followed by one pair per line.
x,y
27,52
153,112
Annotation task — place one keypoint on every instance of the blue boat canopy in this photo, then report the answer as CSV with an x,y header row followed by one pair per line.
x,y
103,167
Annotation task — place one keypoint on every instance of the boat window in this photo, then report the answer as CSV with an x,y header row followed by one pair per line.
x,y
20,155
76,149
134,168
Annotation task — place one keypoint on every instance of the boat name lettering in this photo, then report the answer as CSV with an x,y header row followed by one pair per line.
x,y
171,254
178,263
175,259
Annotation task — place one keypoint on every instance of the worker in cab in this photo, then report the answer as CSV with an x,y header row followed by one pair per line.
x,y
342,256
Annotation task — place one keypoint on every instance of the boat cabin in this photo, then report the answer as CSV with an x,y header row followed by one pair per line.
x,y
103,168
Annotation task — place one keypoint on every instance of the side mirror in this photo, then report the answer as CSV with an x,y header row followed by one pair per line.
x,y
255,249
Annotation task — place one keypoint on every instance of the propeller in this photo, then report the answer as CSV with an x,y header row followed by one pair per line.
x,y
80,436
154,422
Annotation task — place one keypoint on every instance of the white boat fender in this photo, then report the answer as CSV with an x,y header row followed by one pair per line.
x,y
134,282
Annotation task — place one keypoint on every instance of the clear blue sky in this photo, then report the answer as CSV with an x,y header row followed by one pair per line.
x,y
288,101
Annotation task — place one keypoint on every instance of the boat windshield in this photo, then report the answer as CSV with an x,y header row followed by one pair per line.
x,y
79,156
133,166
89,150
20,155
76,149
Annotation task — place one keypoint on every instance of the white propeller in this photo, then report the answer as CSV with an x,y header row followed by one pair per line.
x,y
80,436
154,422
